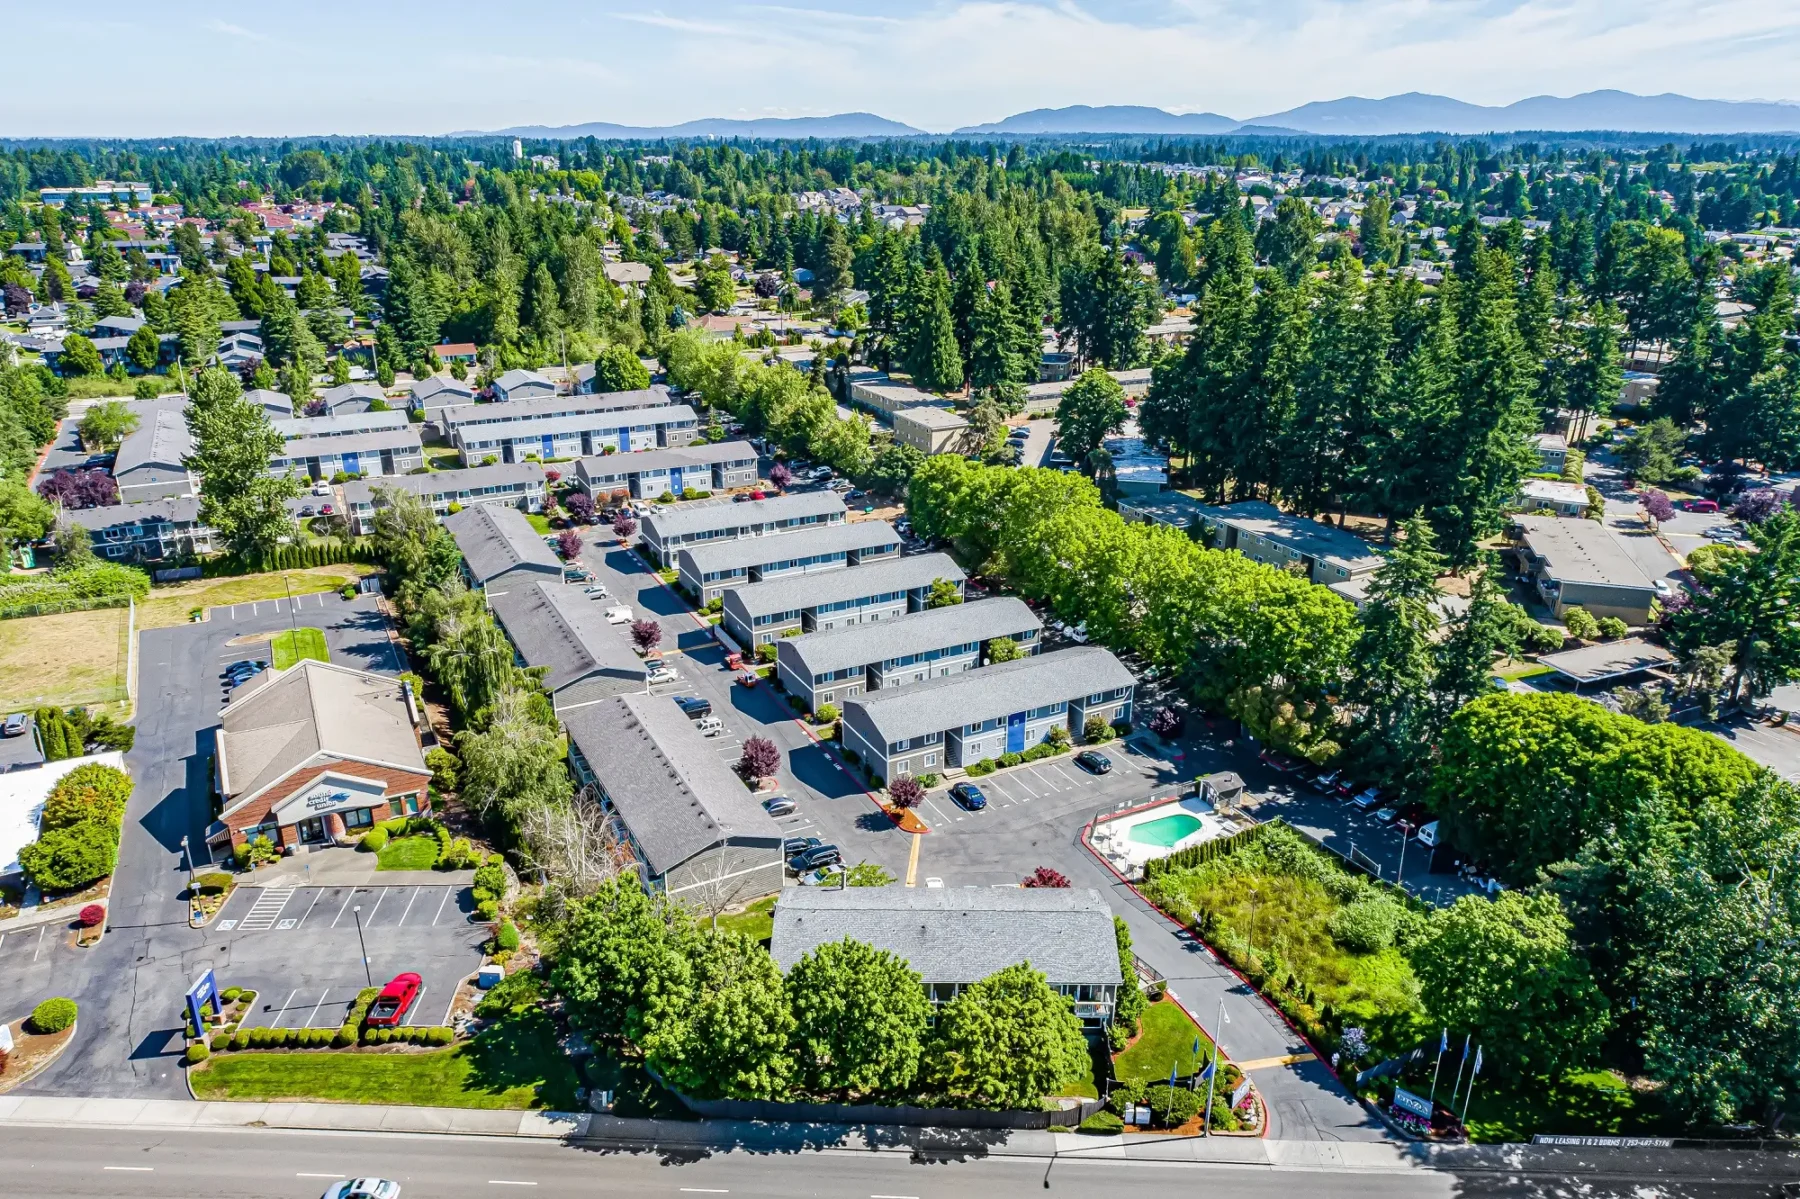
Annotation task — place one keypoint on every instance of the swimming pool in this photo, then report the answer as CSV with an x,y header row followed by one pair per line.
x,y
1165,830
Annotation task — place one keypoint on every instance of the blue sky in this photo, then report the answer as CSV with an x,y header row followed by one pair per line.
x,y
102,67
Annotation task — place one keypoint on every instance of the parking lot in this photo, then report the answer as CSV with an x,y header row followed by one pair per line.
x,y
299,948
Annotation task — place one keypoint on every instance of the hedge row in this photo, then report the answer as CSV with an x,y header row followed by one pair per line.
x,y
1206,851
331,1038
329,552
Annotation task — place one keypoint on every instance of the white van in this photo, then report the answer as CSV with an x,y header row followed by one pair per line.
x,y
710,726
1428,835
618,615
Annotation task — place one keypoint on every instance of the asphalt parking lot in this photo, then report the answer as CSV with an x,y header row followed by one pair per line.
x,y
299,948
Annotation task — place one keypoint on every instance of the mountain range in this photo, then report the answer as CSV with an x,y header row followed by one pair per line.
x,y
1355,116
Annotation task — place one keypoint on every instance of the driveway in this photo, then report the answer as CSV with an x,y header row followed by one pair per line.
x,y
130,986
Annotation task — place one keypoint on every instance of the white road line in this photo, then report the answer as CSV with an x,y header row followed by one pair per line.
x,y
414,1009
318,1176
1023,785
132,1169
281,1012
345,908
409,903
1056,766
893,1197
377,906
40,942
314,1014
705,1191
507,1182
317,895
448,1007
448,891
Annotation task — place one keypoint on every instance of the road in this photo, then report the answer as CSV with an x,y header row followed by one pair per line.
x,y
104,1163
130,986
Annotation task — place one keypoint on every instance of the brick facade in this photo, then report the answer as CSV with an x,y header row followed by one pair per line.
x,y
397,785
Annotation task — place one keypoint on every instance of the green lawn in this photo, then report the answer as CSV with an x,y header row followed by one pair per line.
x,y
292,645
756,921
408,853
442,457
513,1064
1167,1038
1524,670
170,604
1595,1102
540,522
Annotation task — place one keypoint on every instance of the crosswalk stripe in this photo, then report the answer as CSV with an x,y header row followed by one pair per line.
x,y
263,912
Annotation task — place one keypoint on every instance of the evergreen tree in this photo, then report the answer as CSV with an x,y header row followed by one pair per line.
x,y
1392,665
233,445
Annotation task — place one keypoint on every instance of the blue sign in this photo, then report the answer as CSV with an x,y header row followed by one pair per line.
x,y
204,991
1411,1104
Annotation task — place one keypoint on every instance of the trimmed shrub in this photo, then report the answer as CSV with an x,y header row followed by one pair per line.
x,y
375,840
486,911
370,1035
214,883
197,1053
481,895
490,878
826,713
442,1035
346,1037
1011,759
259,1038
230,995
240,1039
1096,728
508,937
67,859
53,1015
985,766
247,995
88,792
1173,1106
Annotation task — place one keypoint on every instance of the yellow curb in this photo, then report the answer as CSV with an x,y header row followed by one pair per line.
x,y
912,862
1264,1062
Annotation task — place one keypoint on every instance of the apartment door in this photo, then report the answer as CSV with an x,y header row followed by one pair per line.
x,y
1015,733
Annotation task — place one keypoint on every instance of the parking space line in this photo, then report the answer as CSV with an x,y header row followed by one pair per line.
x,y
417,1000
1024,786
281,1012
42,929
409,903
314,1014
1073,781
317,895
377,906
345,908
448,892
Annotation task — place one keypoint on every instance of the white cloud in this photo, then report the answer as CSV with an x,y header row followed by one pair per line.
x,y
230,30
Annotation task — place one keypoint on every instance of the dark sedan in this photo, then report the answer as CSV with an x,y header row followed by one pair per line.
x,y
969,796
1093,761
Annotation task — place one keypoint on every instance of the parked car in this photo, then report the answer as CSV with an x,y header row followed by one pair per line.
x,y
1367,799
597,591
1664,588
821,876
325,509
1278,761
308,510
246,666
969,796
817,856
321,488
693,705
710,726
1428,835
1327,781
747,678
15,725
1387,815
618,615
794,846
664,674
779,805
363,1188
1093,761
1701,505
394,1001
857,494
1346,787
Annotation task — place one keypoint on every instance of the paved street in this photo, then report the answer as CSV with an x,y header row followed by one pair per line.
x,y
130,985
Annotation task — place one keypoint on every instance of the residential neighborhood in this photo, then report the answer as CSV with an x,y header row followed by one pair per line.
x,y
1243,647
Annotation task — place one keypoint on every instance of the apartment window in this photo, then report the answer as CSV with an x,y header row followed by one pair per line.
x,y
931,759
359,818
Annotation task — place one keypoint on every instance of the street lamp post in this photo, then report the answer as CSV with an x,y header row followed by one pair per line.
x,y
367,975
187,859
1400,874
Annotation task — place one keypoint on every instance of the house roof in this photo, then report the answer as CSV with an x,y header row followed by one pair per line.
x,y
957,934
282,719
992,691
800,592
746,552
455,349
346,393
376,440
160,440
705,516
180,510
496,538
534,407
607,466
860,644
1553,491
670,786
559,627
448,482
1581,551
518,377
271,401
338,424
440,391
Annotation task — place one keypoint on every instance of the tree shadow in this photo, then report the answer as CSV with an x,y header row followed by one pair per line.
x,y
819,769
522,1050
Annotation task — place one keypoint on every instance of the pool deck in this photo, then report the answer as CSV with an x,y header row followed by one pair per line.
x,y
1113,840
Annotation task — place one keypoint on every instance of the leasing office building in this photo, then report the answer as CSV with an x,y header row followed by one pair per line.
x,y
709,571
1006,708
841,664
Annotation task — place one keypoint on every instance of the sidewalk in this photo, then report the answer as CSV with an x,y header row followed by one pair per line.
x,y
32,917
340,867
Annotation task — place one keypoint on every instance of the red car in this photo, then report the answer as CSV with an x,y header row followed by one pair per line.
x,y
747,679
394,1001
1701,505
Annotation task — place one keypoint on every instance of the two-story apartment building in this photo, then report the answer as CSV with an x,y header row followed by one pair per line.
x,y
1583,564
841,664
562,630
519,485
648,474
764,613
709,570
345,424
669,530
1006,708
151,531
382,452
352,397
434,393
686,819
521,385
150,464
581,435
500,549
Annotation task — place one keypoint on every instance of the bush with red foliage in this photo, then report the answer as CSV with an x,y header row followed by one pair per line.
x,y
76,489
1166,722
759,760
580,505
646,634
780,476
624,524
906,792
91,915
569,542
551,474
1043,876
1659,506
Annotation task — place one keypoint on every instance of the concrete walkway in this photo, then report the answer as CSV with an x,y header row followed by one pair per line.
x,y
347,868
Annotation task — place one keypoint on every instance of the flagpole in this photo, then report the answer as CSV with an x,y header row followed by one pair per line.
x,y
1213,1082
1459,1070
1443,1044
1471,1092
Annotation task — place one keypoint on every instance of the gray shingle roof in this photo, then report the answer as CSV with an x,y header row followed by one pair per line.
x,y
835,586
534,407
180,510
282,719
958,935
440,391
518,377
294,428
559,627
448,482
271,401
612,465
992,691
354,394
708,515
160,440
672,789
495,538
916,632
404,438
817,539
578,422
1581,551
